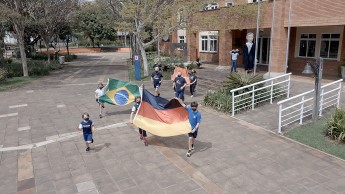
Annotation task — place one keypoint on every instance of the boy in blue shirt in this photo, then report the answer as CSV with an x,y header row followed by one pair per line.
x,y
194,117
88,127
157,79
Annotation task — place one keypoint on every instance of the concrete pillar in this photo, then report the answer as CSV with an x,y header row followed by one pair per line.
x,y
279,39
225,45
192,46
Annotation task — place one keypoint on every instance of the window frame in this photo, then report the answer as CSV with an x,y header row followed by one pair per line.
x,y
181,39
307,39
330,39
210,41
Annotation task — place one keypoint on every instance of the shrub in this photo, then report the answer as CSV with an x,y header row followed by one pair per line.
x,y
3,74
40,56
15,69
336,126
221,100
38,68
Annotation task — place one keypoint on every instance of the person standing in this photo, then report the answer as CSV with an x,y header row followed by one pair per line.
x,y
194,117
98,93
157,79
87,126
179,85
234,56
193,82
135,108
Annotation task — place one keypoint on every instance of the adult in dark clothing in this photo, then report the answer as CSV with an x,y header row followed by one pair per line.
x,y
193,82
249,52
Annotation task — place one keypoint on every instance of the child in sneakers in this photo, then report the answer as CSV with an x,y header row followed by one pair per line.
x,y
135,108
98,93
194,117
88,127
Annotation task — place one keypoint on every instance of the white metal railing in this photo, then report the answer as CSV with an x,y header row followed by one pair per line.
x,y
298,107
248,96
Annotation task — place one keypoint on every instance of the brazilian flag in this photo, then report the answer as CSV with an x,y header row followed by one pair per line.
x,y
119,92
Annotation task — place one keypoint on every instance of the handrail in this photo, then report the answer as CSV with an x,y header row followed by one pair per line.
x,y
329,84
260,82
299,95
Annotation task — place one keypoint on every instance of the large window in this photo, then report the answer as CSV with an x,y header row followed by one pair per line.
x,y
209,42
211,6
182,39
204,43
307,45
329,46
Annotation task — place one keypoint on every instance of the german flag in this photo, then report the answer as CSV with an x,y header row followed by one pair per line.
x,y
119,92
161,117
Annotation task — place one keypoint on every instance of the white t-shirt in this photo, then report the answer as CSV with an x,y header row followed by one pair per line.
x,y
249,46
234,55
99,92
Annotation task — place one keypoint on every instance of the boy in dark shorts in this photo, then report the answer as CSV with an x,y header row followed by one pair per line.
x,y
194,117
193,82
88,127
135,108
98,93
179,85
157,79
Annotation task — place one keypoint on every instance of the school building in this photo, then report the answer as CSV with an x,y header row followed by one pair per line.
x,y
316,30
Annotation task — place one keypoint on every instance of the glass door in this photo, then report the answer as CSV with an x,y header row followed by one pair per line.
x,y
264,51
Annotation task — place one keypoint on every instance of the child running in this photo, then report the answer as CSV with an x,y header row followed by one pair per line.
x,y
98,93
135,108
88,127
194,117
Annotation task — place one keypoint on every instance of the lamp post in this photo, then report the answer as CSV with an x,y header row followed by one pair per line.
x,y
316,69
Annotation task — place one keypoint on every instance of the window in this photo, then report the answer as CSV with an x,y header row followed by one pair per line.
x,y
307,45
213,43
204,45
329,46
209,41
228,4
211,6
182,39
255,1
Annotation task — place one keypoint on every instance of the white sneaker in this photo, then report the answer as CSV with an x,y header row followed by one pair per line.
x,y
189,153
191,96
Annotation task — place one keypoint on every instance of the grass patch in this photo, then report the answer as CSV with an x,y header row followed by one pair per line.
x,y
314,135
15,82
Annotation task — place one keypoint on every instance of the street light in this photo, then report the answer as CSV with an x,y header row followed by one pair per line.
x,y
316,69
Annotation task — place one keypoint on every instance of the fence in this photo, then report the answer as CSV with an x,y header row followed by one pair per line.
x,y
247,97
301,106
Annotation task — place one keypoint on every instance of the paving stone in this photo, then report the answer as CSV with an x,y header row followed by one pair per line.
x,y
85,186
125,184
108,188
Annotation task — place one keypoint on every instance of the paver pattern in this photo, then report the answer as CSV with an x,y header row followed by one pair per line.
x,y
45,153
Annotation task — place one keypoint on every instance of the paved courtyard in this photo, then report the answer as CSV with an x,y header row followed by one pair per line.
x,y
42,152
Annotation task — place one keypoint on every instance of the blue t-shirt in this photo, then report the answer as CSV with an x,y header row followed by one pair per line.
x,y
156,76
179,82
86,126
194,117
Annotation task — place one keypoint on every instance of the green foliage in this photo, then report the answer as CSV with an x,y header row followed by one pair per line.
x,y
35,67
313,135
3,74
40,56
336,125
240,79
221,100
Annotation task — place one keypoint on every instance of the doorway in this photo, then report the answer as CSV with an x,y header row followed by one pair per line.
x,y
264,50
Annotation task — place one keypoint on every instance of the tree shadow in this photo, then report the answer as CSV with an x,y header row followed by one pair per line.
x,y
119,112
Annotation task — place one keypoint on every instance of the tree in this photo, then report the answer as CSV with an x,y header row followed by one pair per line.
x,y
48,14
94,23
160,16
14,12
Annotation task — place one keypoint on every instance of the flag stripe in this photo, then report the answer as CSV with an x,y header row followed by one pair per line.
x,y
162,129
168,116
158,102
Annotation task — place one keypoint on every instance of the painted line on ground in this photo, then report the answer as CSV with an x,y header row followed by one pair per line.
x,y
57,138
60,106
18,106
9,115
30,91
24,128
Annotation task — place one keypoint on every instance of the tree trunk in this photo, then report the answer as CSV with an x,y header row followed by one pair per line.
x,y
2,51
46,42
92,42
20,37
67,48
143,56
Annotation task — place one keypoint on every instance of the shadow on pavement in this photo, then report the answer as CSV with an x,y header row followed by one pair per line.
x,y
179,142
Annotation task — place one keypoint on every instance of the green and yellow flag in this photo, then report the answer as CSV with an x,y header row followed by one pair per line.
x,y
119,92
